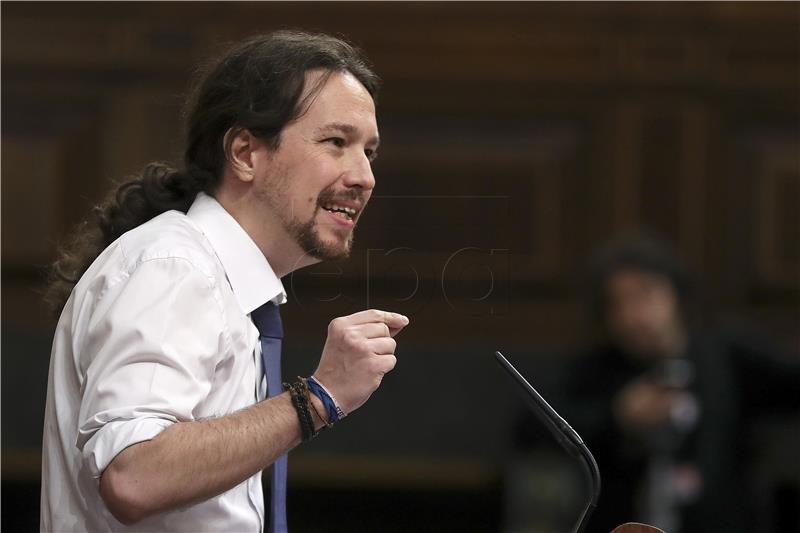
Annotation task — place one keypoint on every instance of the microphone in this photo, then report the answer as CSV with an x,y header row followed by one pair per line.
x,y
566,436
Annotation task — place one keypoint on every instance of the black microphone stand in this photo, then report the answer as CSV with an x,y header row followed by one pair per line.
x,y
566,436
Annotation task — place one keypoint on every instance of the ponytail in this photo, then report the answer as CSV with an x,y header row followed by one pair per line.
x,y
156,189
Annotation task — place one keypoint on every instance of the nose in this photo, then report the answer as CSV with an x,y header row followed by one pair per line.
x,y
360,174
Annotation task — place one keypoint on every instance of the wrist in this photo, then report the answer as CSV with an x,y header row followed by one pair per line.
x,y
333,409
317,409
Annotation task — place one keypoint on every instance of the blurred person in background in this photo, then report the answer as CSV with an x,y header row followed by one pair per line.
x,y
665,404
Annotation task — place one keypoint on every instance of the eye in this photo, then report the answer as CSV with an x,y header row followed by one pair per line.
x,y
336,141
371,154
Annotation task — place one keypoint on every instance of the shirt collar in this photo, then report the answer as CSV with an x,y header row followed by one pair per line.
x,y
251,277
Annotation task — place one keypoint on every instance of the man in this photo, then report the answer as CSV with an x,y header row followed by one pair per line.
x,y
156,416
665,404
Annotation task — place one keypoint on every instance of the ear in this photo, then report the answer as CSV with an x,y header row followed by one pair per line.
x,y
239,145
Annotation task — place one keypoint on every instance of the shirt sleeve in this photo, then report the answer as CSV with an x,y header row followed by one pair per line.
x,y
152,346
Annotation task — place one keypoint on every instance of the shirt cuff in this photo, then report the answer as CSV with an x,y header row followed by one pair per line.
x,y
113,437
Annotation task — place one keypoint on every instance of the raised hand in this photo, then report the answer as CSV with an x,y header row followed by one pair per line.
x,y
359,351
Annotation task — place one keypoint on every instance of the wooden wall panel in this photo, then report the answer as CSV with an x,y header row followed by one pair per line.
x,y
777,246
660,173
31,205
141,124
541,129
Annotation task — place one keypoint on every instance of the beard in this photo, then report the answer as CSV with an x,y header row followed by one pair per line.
x,y
306,232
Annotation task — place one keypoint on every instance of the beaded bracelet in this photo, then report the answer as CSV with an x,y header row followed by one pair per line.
x,y
300,400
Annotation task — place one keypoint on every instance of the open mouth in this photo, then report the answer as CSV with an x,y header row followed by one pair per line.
x,y
342,211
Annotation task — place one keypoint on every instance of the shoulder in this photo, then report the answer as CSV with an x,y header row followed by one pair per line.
x,y
735,337
171,237
170,246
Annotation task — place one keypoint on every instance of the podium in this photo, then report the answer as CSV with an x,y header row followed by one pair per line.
x,y
633,527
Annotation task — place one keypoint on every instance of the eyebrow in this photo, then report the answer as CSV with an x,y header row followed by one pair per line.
x,y
348,129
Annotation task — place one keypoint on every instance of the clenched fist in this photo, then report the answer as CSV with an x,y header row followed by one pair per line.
x,y
358,352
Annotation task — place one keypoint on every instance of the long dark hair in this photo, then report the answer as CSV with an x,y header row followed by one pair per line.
x,y
643,251
256,86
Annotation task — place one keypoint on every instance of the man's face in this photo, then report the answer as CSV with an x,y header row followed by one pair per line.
x,y
642,311
319,179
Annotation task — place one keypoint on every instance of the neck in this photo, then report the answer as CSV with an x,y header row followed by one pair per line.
x,y
283,260
282,252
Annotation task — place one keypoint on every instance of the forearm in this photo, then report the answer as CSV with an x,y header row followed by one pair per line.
x,y
192,461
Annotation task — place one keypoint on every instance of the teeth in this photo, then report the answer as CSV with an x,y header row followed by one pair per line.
x,y
333,207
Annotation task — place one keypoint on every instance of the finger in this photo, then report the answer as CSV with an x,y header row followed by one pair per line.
x,y
373,330
393,320
385,363
395,331
382,346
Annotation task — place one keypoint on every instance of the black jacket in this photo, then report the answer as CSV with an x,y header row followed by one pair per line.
x,y
737,378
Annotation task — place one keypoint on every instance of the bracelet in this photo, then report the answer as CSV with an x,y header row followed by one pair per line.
x,y
330,406
300,400
335,412
301,404
324,421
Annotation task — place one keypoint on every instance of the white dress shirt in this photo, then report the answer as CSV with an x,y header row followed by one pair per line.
x,y
157,331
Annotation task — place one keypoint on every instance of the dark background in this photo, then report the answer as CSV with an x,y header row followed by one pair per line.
x,y
516,138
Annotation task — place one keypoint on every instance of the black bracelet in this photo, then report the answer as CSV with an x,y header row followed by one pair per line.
x,y
297,403
300,399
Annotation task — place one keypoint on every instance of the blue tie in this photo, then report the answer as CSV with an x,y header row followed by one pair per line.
x,y
267,319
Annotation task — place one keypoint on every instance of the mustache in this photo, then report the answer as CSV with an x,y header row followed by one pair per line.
x,y
330,195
